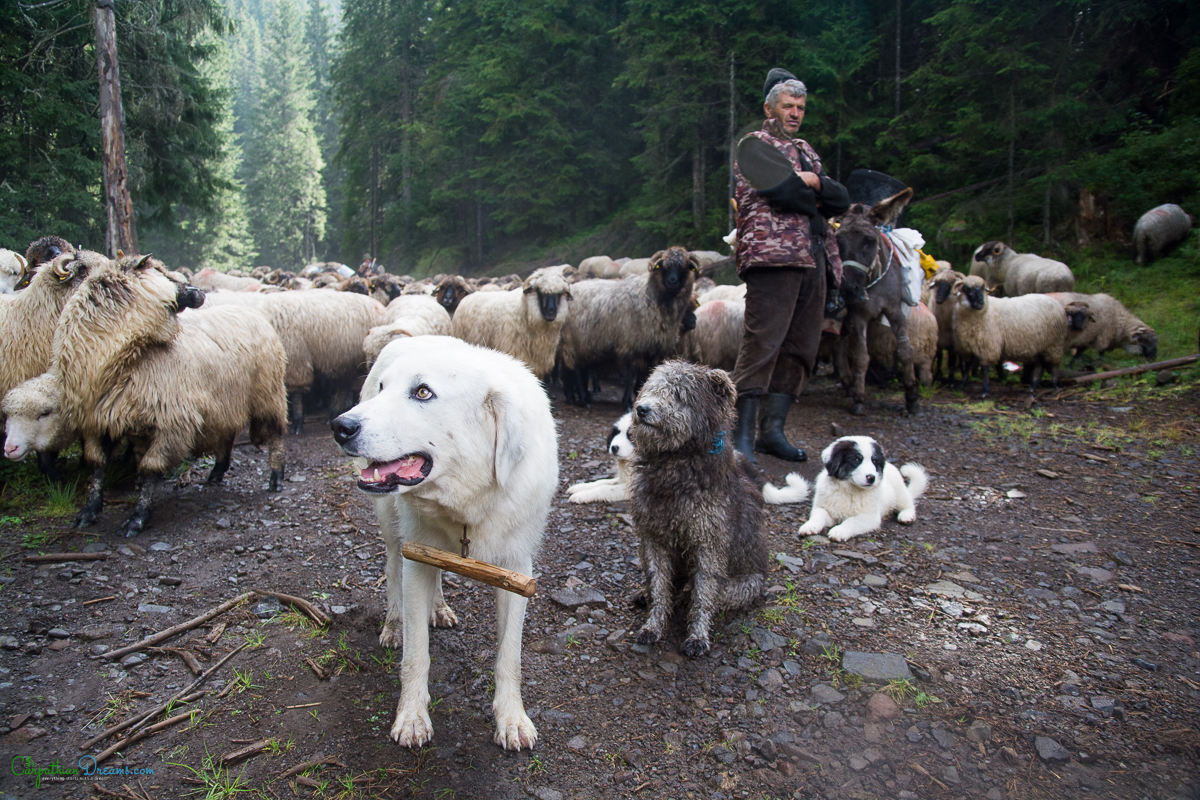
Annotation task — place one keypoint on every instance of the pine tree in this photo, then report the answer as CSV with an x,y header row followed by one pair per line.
x,y
283,162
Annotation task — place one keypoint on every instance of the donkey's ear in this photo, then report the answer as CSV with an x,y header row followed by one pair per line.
x,y
888,210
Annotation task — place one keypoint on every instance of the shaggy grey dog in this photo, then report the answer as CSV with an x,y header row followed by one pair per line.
x,y
696,503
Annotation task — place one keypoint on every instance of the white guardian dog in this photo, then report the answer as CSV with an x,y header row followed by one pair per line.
x,y
449,439
858,487
616,488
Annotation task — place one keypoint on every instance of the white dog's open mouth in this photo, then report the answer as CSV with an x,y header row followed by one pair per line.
x,y
381,477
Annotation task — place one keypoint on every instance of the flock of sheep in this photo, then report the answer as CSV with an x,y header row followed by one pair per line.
x,y
176,365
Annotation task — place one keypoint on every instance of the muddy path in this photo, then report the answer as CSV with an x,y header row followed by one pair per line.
x,y
1044,604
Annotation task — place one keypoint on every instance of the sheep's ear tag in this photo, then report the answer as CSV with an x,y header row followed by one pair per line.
x,y
141,264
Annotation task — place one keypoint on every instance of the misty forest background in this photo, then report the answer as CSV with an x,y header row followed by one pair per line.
x,y
482,136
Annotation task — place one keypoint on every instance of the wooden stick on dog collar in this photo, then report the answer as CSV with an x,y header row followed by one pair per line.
x,y
490,574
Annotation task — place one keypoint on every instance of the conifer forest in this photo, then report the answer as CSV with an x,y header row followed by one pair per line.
x,y
475,135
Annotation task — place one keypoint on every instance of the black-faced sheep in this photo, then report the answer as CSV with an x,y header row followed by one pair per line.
x,y
1158,230
131,366
34,422
1109,325
526,323
322,333
940,301
634,322
385,288
451,291
411,315
1020,273
1028,329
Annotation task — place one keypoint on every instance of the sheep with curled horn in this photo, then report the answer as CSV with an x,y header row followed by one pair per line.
x,y
12,266
1012,274
525,322
175,385
634,322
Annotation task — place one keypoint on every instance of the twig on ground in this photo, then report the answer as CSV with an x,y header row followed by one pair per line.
x,y
99,600
243,753
318,616
142,734
180,628
925,772
330,760
54,557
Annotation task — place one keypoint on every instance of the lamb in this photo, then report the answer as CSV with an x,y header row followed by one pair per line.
x,y
35,422
923,333
451,291
1158,230
1020,273
322,333
1031,328
1110,325
717,337
211,281
131,366
412,315
12,266
634,322
526,323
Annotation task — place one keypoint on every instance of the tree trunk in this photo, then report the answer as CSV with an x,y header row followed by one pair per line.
x,y
1012,145
1046,211
406,139
121,233
698,190
898,58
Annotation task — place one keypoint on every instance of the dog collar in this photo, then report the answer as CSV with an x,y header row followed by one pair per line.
x,y
718,444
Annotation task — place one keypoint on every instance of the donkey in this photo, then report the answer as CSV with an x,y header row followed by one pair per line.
x,y
872,286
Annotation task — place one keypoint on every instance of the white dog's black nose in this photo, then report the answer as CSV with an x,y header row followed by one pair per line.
x,y
345,428
616,449
870,479
643,411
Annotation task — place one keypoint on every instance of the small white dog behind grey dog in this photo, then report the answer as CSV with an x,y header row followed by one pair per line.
x,y
451,440
858,487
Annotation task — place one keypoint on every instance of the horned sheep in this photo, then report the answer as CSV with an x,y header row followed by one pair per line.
x,y
1028,329
1109,324
1020,273
1158,230
634,322
131,366
526,323
12,265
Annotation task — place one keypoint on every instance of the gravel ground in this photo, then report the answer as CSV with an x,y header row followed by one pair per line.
x,y
1044,605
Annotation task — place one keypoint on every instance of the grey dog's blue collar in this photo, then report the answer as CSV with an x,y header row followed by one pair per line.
x,y
718,444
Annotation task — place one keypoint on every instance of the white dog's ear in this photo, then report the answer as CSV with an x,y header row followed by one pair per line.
x,y
510,447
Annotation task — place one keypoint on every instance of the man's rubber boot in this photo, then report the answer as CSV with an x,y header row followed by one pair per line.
x,y
771,439
747,418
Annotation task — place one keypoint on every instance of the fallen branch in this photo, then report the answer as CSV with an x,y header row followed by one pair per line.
x,y
490,574
142,734
317,615
233,757
188,658
925,772
55,557
184,626
99,600
179,697
316,762
1157,365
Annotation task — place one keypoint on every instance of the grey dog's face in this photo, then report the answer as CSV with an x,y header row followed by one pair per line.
x,y
682,405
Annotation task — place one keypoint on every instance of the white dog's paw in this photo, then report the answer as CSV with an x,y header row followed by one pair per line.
x,y
443,617
838,533
391,635
908,516
515,731
810,528
412,727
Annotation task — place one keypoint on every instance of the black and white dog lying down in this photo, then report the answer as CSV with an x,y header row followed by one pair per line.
x,y
616,488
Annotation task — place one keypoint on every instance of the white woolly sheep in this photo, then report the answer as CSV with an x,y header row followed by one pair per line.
x,y
717,337
1028,329
526,323
175,385
1110,325
12,266
1160,229
323,335
599,267
634,322
734,292
34,422
411,315
638,266
1020,273
923,334
212,281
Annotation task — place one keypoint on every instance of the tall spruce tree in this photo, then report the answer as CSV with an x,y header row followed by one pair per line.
x,y
283,163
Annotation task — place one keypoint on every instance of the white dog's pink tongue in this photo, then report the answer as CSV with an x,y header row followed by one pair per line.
x,y
407,468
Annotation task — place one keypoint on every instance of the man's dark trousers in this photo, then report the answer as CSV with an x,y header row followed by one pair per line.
x,y
784,315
